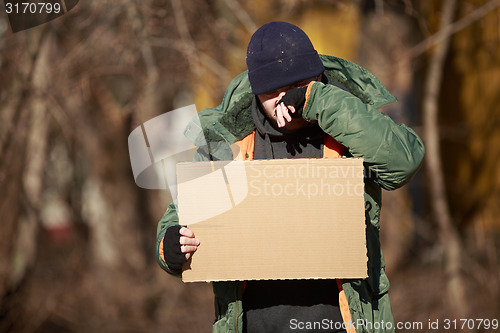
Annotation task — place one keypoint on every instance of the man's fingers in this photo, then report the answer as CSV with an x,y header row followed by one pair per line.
x,y
286,113
189,245
279,110
188,248
186,232
279,115
282,114
189,241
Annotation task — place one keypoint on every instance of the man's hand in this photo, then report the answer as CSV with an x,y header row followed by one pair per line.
x,y
179,244
292,101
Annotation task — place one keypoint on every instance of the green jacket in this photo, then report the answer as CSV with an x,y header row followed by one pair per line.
x,y
391,152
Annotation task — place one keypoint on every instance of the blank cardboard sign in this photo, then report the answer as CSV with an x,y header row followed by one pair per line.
x,y
274,219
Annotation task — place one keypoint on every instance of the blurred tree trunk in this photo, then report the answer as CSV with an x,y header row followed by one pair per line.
x,y
23,140
473,177
36,157
19,117
448,234
378,52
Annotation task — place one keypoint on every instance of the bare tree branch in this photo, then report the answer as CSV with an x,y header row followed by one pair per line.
x,y
188,44
450,29
209,62
194,56
149,97
242,15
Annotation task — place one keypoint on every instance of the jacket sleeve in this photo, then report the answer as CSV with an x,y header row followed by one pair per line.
x,y
392,152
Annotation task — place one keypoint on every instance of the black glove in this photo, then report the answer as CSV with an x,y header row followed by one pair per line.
x,y
295,97
172,248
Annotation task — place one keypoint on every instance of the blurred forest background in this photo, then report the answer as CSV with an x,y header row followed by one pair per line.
x,y
77,234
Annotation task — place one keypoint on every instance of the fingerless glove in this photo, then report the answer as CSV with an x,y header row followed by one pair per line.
x,y
174,258
295,97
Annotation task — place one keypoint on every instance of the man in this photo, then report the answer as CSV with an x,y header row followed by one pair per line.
x,y
293,103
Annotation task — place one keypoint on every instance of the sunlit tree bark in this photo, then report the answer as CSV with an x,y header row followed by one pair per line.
x,y
448,234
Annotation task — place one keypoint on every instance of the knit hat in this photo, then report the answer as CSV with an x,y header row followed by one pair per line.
x,y
278,55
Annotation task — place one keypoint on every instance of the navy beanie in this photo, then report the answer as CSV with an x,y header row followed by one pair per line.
x,y
280,54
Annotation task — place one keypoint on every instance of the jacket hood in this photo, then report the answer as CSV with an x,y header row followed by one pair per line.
x,y
232,119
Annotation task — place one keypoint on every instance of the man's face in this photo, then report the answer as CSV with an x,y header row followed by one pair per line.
x,y
269,100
